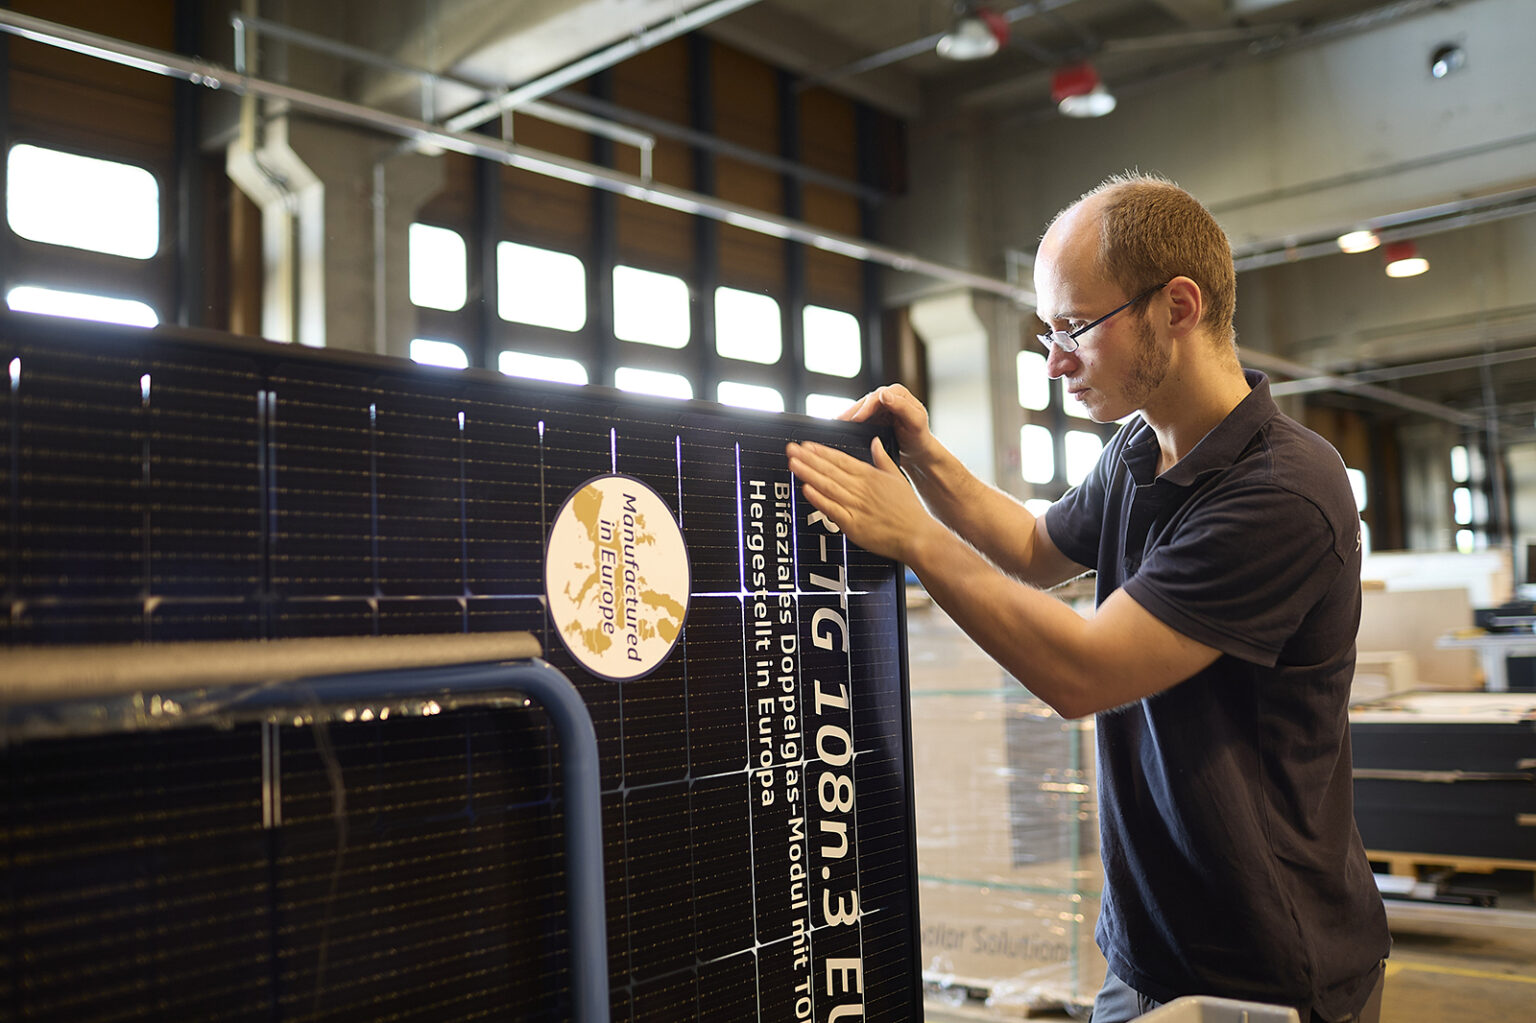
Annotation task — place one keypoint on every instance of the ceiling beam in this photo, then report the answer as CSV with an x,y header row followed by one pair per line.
x,y
798,45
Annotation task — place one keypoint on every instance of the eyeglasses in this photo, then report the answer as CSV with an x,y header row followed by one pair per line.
x,y
1066,342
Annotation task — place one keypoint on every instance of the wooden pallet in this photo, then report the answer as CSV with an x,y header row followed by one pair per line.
x,y
1409,864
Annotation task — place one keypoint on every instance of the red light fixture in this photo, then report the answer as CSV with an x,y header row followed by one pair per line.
x,y
1078,91
1402,259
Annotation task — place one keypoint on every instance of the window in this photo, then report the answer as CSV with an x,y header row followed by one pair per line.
x,y
439,267
541,287
1036,506
82,202
650,308
833,343
1461,465
826,406
29,299
651,381
1034,385
541,367
747,326
1082,453
1466,541
439,353
1461,499
1357,484
1037,456
742,395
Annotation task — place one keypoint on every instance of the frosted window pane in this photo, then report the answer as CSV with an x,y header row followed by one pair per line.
x,y
1460,467
1034,385
1082,452
650,308
747,326
439,267
541,367
1357,484
833,342
82,202
439,353
28,299
750,396
541,287
1037,459
826,406
651,381
1070,405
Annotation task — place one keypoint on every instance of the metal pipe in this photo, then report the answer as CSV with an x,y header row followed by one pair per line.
x,y
593,63
1279,364
336,48
214,76
927,43
1409,224
721,147
1418,369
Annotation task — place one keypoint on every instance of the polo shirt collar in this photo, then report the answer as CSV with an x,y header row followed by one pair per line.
x,y
1216,450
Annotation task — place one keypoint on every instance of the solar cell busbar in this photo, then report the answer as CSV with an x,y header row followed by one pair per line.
x,y
295,857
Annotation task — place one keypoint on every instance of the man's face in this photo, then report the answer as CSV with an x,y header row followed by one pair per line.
x,y
1120,364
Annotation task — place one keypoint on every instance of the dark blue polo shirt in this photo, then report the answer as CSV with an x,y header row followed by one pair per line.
x,y
1232,863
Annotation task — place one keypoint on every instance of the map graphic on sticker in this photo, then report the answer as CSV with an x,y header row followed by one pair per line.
x,y
616,577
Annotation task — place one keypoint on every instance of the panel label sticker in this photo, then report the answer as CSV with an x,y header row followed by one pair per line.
x,y
616,577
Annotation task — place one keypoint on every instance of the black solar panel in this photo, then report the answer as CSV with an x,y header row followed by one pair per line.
x,y
158,487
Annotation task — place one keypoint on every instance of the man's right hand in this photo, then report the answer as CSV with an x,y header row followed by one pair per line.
x,y
896,405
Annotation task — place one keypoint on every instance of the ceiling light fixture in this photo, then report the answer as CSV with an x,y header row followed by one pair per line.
x,y
1363,240
978,32
1403,259
1077,91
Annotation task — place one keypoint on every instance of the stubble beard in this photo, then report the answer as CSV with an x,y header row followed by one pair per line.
x,y
1149,367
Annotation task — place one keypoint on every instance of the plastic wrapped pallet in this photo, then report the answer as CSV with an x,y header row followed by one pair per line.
x,y
1009,876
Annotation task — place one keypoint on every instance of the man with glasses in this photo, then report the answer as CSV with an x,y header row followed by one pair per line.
x,y
1219,660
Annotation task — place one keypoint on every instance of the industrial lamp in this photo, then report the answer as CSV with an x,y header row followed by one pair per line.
x,y
978,32
1363,240
1403,259
1077,91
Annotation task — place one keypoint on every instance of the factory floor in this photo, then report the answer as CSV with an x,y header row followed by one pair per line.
x,y
1449,964
1460,965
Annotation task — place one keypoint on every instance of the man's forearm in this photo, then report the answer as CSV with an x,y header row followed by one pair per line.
x,y
984,516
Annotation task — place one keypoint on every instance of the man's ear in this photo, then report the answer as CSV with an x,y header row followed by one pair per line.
x,y
1185,304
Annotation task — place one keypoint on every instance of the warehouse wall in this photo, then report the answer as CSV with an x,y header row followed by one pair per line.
x,y
1299,144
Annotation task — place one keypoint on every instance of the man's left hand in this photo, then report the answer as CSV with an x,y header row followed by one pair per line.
x,y
873,504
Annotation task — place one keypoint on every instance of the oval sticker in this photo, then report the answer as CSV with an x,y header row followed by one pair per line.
x,y
616,577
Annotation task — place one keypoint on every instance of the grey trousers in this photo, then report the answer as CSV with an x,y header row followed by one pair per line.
x,y
1118,1002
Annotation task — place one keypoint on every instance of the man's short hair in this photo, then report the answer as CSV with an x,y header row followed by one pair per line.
x,y
1151,231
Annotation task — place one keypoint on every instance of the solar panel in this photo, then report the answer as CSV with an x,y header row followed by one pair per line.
x,y
163,486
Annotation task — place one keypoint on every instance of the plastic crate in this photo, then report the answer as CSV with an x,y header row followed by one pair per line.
x,y
1203,1009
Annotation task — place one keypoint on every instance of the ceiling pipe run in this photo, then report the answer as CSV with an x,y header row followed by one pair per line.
x,y
215,76
1333,382
590,65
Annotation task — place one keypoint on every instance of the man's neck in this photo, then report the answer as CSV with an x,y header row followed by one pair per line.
x,y
1185,412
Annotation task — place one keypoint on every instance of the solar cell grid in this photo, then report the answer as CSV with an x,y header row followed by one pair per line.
x,y
757,815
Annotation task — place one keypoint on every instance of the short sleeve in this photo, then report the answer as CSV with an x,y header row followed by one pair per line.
x,y
1241,571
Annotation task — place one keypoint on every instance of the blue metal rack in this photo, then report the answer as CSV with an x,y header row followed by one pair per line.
x,y
88,705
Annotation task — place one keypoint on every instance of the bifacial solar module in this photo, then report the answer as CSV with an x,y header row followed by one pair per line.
x,y
757,815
